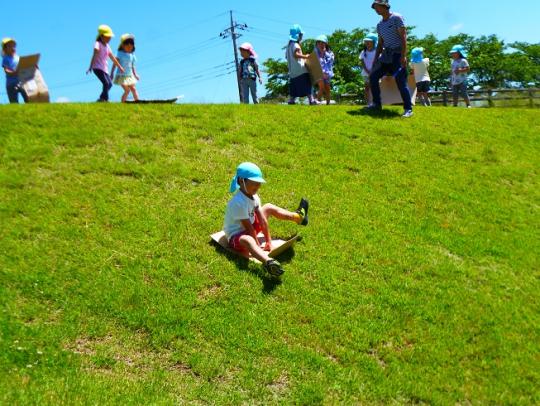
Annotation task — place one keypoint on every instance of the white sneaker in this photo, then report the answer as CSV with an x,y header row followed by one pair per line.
x,y
407,114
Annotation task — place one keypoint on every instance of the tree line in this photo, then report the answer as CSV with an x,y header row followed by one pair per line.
x,y
494,63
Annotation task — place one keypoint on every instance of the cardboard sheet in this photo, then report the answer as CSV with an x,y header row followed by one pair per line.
x,y
313,66
279,246
390,92
32,79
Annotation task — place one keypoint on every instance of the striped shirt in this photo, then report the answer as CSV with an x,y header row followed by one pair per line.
x,y
389,30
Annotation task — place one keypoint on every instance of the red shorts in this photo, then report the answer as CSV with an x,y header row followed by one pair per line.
x,y
234,242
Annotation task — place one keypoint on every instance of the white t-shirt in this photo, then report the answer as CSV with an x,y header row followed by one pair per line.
x,y
368,58
421,73
239,208
297,67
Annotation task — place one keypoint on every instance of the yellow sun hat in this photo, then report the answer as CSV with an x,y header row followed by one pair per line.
x,y
6,41
105,30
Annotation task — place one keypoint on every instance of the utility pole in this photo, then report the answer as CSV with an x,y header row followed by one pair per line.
x,y
231,32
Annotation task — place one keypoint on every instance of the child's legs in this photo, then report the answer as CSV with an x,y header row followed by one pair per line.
x,y
134,92
455,94
367,92
126,93
105,80
270,210
465,94
327,91
253,89
13,94
23,93
320,85
253,247
244,87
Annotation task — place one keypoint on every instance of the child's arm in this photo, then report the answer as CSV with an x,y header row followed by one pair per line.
x,y
265,229
258,73
249,228
9,72
299,55
116,63
92,61
135,73
112,71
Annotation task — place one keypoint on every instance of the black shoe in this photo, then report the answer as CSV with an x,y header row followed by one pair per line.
x,y
274,268
303,211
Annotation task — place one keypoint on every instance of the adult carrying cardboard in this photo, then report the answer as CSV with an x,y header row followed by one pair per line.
x,y
32,79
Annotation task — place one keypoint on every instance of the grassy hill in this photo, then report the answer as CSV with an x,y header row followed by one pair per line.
x,y
417,279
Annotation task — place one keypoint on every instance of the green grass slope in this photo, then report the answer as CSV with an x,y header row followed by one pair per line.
x,y
417,279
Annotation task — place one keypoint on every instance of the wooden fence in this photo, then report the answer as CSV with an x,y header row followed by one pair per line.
x,y
491,97
481,98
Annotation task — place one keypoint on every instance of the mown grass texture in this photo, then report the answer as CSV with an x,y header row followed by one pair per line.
x,y
417,279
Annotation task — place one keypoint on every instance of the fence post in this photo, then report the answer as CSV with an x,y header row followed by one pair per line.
x,y
444,98
490,99
531,98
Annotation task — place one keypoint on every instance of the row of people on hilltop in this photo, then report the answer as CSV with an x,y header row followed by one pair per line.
x,y
384,53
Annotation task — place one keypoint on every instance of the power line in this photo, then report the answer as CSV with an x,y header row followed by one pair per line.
x,y
231,33
288,23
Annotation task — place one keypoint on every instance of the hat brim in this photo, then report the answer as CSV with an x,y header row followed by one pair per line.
x,y
257,179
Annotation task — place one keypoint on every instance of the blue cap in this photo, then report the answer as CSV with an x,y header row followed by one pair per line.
x,y
417,55
295,32
246,170
373,38
460,49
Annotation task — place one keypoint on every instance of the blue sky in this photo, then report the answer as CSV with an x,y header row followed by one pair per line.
x,y
178,44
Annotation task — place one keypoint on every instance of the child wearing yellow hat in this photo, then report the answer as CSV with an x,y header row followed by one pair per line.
x,y
99,63
10,61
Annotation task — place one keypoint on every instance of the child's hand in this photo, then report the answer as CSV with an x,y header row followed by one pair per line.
x,y
260,81
121,69
268,246
137,77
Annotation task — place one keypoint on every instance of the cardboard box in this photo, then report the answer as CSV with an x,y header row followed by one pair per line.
x,y
313,66
390,92
32,79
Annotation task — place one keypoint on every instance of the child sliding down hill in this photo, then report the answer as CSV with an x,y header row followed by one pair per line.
x,y
245,218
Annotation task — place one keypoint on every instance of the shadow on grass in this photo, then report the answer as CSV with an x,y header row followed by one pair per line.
x,y
383,114
270,283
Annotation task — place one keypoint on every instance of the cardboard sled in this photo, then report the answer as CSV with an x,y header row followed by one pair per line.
x,y
279,246
313,66
390,92
32,79
160,101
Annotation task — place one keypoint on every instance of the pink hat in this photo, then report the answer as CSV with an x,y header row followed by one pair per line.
x,y
248,47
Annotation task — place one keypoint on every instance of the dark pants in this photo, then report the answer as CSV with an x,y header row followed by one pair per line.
x,y
105,79
13,93
400,74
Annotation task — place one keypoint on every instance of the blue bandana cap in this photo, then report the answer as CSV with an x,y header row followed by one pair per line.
x,y
417,55
246,170
460,49
295,32
373,38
